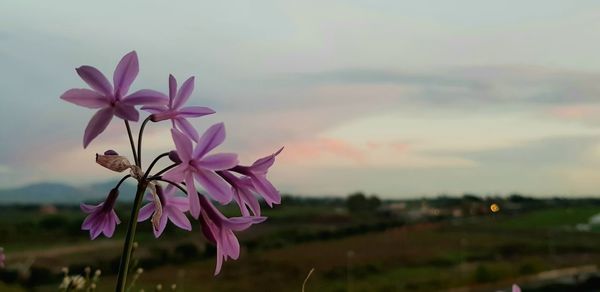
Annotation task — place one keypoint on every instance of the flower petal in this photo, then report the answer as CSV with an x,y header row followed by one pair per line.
x,y
97,125
220,161
214,185
88,208
187,128
109,227
95,79
181,203
183,144
127,112
146,97
192,196
262,165
162,224
154,109
146,212
172,89
267,190
195,111
177,174
85,97
125,73
178,218
184,93
213,137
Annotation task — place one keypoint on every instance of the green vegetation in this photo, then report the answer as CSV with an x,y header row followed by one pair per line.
x,y
415,246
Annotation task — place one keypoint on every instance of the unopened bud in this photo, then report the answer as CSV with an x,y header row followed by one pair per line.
x,y
174,156
110,152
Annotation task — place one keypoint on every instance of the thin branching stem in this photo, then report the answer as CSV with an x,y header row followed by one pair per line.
x,y
135,158
122,180
153,163
140,136
158,174
171,183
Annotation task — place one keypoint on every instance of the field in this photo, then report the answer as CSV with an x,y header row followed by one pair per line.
x,y
365,251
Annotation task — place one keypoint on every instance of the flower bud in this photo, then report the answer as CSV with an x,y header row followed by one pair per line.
x,y
174,156
112,161
110,152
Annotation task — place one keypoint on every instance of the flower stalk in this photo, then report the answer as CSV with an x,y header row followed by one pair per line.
x,y
130,237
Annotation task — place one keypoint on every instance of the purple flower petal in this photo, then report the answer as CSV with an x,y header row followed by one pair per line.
x,y
187,128
214,185
178,218
109,228
85,97
220,161
172,89
146,212
177,174
87,208
181,203
127,112
262,165
95,79
183,145
162,224
146,97
265,188
125,73
184,93
195,111
154,109
192,196
213,137
97,125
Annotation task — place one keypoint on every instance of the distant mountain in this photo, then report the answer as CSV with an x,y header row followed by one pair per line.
x,y
60,193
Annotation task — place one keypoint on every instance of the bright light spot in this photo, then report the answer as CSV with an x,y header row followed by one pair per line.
x,y
495,208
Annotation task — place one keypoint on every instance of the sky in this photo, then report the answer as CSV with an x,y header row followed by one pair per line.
x,y
395,98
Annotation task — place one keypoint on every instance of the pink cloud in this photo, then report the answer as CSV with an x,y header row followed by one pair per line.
x,y
302,150
574,112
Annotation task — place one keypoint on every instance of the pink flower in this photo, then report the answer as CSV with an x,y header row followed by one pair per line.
x,y
173,209
257,175
175,111
219,230
196,165
516,288
111,101
102,218
243,193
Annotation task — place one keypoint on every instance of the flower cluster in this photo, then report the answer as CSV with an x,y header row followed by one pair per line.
x,y
195,163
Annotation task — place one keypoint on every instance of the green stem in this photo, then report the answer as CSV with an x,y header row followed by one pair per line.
x,y
135,158
140,135
129,237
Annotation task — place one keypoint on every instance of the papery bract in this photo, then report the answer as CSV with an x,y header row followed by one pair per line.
x,y
102,218
219,230
108,100
196,165
175,111
173,209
